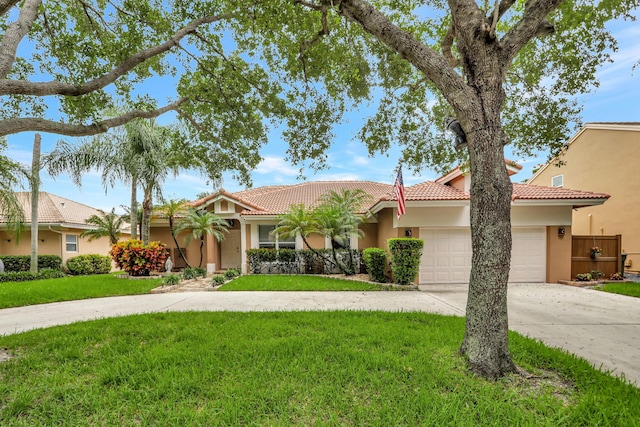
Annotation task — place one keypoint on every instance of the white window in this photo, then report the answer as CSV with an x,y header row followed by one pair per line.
x,y
266,239
71,243
557,181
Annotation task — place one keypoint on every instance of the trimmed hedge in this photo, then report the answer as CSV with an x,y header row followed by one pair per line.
x,y
89,264
292,261
405,259
14,263
376,261
25,276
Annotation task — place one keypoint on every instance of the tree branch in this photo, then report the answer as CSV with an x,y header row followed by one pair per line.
x,y
23,124
433,65
446,44
501,9
15,33
5,5
21,87
532,24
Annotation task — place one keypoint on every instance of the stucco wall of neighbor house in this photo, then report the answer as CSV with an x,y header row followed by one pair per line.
x,y
604,160
50,246
558,254
55,244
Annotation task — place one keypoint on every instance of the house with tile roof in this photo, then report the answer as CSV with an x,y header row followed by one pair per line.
x,y
436,211
60,223
602,157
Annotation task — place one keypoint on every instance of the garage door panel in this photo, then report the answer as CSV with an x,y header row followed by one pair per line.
x,y
447,255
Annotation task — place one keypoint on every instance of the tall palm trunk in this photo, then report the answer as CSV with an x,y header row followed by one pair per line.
x,y
133,212
175,240
35,193
147,207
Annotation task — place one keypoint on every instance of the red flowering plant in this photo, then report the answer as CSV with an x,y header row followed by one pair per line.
x,y
137,259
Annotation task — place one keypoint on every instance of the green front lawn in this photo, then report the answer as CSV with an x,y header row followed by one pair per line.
x,y
18,294
631,289
278,282
299,368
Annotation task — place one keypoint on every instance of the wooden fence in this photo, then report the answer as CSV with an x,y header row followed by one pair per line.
x,y
608,261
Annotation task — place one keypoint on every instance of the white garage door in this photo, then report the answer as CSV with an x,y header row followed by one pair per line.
x,y
446,257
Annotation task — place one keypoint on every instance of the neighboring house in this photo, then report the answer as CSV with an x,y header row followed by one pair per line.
x,y
60,222
437,212
602,157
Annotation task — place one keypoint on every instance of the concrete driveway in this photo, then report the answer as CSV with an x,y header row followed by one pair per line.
x,y
603,328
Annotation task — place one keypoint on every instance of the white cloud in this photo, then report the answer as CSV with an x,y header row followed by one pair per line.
x,y
276,166
337,177
360,160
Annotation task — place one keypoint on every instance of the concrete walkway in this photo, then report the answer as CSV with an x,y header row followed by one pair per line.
x,y
603,328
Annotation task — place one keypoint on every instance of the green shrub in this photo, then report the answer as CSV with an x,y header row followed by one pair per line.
x,y
231,273
218,280
137,259
596,274
24,276
170,279
376,261
23,262
616,276
193,272
583,277
89,264
405,259
50,273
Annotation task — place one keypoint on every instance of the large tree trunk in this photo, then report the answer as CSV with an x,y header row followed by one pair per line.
x,y
486,341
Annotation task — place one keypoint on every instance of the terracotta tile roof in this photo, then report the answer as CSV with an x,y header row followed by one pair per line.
x,y
538,192
54,209
430,190
277,199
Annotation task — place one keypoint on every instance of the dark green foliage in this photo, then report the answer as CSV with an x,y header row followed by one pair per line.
x,y
584,277
376,261
23,262
405,259
170,279
89,264
218,280
232,273
193,272
292,261
25,276
596,274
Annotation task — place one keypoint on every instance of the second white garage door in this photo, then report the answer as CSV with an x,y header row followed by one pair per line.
x,y
446,256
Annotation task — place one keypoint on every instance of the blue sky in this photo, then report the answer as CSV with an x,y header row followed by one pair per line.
x,y
617,99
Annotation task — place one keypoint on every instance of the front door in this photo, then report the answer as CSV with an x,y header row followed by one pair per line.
x,y
230,250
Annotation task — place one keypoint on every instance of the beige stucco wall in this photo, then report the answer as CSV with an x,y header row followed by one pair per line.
x,y
193,248
603,160
370,238
558,255
385,228
52,243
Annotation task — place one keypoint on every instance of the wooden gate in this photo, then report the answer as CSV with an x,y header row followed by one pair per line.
x,y
608,261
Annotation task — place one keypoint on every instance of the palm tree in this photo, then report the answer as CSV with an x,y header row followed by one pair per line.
x,y
201,223
298,220
338,219
108,225
138,153
171,209
11,210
